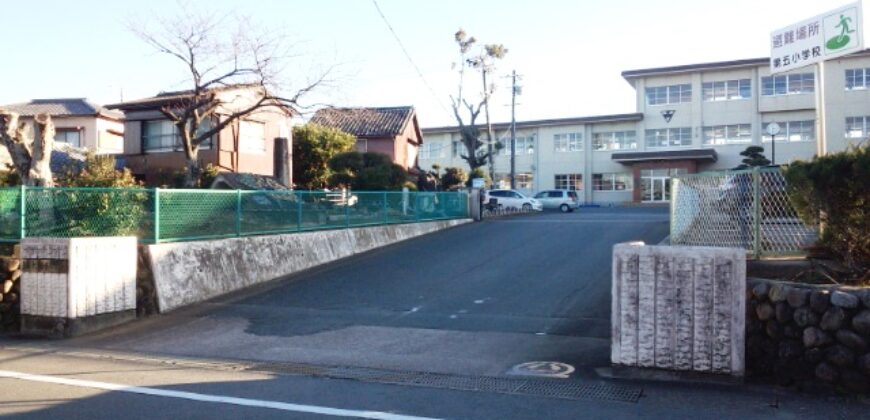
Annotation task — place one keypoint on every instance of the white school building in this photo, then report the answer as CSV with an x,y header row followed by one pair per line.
x,y
689,118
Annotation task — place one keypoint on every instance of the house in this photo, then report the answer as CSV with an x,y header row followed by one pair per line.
x,y
152,144
393,131
77,122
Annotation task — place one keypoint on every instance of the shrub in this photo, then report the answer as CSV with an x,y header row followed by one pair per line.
x,y
366,171
453,178
833,192
9,178
479,173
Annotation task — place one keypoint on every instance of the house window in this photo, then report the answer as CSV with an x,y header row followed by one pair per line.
x,y
795,131
568,142
569,182
728,134
792,84
162,136
857,79
727,90
857,127
523,146
361,145
71,137
669,137
434,150
252,137
612,181
615,140
674,94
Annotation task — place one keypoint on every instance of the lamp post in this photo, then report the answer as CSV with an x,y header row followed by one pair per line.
x,y
773,130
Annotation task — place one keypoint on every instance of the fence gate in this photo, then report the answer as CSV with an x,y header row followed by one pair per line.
x,y
743,209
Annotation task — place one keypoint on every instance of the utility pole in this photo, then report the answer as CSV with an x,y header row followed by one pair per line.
x,y
514,93
489,148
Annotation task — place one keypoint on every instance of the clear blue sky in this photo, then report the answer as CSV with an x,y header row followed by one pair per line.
x,y
570,52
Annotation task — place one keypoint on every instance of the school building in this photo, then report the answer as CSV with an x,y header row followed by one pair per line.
x,y
689,118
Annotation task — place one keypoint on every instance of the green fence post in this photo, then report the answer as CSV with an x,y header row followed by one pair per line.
x,y
347,209
386,210
156,215
756,212
298,212
417,206
238,212
22,212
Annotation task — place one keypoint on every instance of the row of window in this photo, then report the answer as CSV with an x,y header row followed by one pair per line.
x,y
737,89
619,181
163,136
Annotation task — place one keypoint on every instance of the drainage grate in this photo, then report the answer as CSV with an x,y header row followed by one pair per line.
x,y
549,388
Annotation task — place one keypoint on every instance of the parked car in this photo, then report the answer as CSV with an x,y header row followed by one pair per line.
x,y
512,199
564,200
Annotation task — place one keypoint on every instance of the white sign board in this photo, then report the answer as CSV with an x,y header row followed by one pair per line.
x,y
826,36
477,183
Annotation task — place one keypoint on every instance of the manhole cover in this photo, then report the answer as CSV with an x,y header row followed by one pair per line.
x,y
543,369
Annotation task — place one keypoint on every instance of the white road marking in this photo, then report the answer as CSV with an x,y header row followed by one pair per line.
x,y
220,399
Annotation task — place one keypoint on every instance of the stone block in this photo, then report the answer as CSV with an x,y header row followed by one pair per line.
x,y
841,356
783,312
778,292
814,337
833,318
844,300
826,373
861,322
765,311
805,316
820,300
851,340
797,297
760,290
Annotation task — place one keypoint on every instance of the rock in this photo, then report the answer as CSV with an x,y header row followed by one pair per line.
x,y
840,356
797,297
15,275
764,311
820,300
864,364
10,298
854,381
833,319
861,322
814,355
814,337
804,317
778,292
851,340
826,373
865,298
773,329
783,312
7,286
792,331
8,264
844,300
790,349
760,290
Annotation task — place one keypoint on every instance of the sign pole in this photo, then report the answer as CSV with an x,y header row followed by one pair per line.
x,y
773,149
822,141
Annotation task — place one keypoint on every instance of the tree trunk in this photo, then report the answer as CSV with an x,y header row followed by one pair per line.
x,y
43,144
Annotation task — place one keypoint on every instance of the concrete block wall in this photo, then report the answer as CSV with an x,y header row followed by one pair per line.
x,y
679,308
188,272
75,279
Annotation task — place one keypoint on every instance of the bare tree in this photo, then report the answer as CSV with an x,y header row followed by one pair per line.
x,y
482,61
221,53
31,154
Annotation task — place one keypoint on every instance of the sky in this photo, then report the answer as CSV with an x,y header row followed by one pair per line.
x,y
569,53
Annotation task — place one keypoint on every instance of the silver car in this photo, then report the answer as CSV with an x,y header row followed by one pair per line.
x,y
564,200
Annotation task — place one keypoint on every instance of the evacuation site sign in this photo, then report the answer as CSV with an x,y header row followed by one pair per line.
x,y
826,36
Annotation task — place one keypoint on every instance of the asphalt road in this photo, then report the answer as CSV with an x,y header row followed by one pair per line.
x,y
468,303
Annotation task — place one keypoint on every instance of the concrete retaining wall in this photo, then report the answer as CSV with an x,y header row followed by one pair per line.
x,y
190,272
679,308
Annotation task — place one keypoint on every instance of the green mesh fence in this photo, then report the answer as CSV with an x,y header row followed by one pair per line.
x,y
162,215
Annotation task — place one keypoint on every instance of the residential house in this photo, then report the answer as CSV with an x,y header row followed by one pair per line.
x,y
152,144
77,122
393,131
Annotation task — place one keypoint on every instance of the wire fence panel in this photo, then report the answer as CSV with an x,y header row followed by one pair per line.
x,y
744,209
164,215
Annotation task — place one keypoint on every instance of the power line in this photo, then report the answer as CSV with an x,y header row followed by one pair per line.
x,y
410,60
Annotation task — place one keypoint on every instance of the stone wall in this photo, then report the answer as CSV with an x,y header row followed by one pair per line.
x,y
189,272
678,308
10,289
798,333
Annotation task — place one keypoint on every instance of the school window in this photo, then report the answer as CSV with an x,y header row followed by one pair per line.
x,y
674,94
791,84
435,150
795,131
162,136
669,137
612,182
569,182
71,137
614,140
568,142
728,134
457,148
727,90
252,137
522,146
857,79
857,127
524,180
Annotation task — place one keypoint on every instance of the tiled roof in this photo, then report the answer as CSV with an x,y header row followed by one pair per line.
x,y
61,107
163,98
366,122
